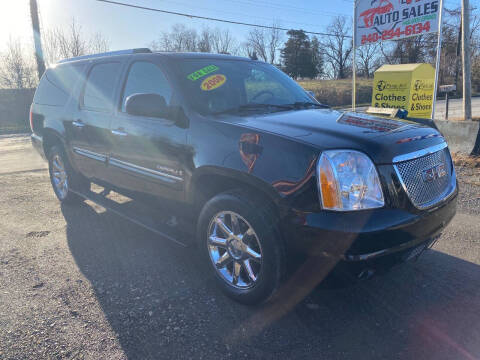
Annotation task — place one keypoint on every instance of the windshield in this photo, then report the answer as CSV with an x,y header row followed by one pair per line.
x,y
214,86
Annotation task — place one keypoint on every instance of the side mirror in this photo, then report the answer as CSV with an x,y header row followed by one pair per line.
x,y
177,114
151,105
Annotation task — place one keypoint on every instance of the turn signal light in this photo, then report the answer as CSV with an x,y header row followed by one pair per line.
x,y
328,185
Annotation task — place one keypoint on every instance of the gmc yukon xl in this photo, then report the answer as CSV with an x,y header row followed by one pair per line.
x,y
264,171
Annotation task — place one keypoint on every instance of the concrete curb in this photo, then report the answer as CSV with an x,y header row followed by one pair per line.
x,y
460,135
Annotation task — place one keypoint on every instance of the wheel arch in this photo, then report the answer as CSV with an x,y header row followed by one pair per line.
x,y
209,181
50,138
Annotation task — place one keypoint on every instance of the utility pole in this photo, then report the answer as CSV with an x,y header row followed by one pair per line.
x,y
457,55
36,38
467,80
467,86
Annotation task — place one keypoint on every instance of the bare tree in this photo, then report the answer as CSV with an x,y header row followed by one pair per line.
x,y
265,43
386,51
367,58
17,69
205,40
179,39
98,44
71,42
51,46
183,39
247,50
257,41
61,43
223,42
275,38
411,50
338,47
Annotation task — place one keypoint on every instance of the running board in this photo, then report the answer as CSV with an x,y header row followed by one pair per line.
x,y
148,222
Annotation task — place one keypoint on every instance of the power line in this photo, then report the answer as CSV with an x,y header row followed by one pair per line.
x,y
261,19
212,19
270,5
425,41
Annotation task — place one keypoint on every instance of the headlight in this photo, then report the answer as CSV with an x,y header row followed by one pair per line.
x,y
348,180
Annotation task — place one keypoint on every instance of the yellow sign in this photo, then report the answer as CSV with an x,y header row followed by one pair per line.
x,y
213,82
405,86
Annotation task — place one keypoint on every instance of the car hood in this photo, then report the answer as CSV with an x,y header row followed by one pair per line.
x,y
381,138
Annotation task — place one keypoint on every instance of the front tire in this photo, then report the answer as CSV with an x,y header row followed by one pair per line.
x,y
239,240
62,176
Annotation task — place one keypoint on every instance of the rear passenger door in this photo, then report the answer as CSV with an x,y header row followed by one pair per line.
x,y
147,153
91,145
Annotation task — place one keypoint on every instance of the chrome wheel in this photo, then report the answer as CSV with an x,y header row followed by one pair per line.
x,y
234,248
59,176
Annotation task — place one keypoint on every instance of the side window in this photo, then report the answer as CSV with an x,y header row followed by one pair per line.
x,y
57,84
100,87
145,77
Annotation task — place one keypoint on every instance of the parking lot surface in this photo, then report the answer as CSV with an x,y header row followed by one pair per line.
x,y
80,282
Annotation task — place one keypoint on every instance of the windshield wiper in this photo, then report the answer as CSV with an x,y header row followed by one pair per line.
x,y
306,104
255,106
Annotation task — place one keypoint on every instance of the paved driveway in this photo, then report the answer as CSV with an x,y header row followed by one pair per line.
x,y
80,282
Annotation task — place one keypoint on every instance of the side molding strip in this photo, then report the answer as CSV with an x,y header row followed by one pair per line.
x,y
160,175
90,154
145,171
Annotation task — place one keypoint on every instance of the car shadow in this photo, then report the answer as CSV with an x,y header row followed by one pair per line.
x,y
161,302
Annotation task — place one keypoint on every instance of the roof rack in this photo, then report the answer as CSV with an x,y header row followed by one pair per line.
x,y
109,53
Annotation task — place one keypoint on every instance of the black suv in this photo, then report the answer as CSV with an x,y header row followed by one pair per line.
x,y
264,172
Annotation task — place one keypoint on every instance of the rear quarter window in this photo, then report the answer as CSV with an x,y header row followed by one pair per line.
x,y
58,84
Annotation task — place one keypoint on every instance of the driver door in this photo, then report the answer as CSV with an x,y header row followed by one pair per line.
x,y
147,153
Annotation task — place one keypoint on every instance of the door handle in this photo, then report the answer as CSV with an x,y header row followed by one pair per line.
x,y
119,133
78,124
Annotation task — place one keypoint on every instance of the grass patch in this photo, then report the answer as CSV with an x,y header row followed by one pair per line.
x,y
460,159
339,92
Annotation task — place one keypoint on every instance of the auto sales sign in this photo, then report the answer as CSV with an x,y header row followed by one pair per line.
x,y
379,20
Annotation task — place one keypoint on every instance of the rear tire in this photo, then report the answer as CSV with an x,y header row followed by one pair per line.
x,y
238,238
63,177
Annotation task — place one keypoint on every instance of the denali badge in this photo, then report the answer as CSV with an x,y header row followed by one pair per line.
x,y
433,173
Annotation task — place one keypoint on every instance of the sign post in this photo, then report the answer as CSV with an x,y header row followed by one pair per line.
x,y
447,89
437,60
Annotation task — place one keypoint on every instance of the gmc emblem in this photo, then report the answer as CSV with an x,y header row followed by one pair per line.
x,y
436,172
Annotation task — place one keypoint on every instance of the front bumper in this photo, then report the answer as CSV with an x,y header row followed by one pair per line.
x,y
369,234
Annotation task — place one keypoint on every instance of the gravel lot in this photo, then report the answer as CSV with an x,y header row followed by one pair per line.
x,y
80,282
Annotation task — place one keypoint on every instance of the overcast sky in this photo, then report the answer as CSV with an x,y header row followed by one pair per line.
x,y
130,28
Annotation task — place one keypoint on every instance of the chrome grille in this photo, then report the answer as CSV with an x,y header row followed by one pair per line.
x,y
425,193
